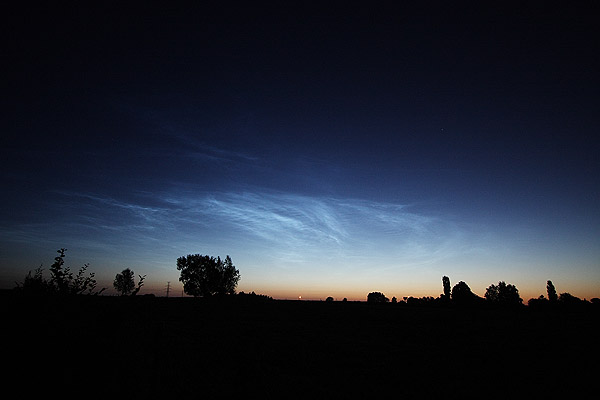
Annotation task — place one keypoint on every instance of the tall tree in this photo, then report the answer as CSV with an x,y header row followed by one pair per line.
x,y
207,276
447,289
552,296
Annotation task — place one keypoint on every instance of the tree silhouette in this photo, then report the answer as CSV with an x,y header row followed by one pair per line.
x,y
568,299
377,297
541,301
447,290
253,297
503,294
552,296
125,284
207,276
462,294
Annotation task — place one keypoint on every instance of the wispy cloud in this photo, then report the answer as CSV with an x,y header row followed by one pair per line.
x,y
195,148
286,227
300,226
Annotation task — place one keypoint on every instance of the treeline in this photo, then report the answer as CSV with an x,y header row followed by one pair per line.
x,y
202,276
501,295
207,276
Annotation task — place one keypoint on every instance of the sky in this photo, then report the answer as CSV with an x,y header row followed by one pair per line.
x,y
330,150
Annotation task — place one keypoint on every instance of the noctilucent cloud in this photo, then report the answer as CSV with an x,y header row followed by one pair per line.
x,y
328,152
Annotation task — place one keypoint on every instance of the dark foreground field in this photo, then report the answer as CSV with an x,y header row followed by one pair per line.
x,y
274,349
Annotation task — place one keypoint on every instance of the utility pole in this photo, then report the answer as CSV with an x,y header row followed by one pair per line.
x,y
168,288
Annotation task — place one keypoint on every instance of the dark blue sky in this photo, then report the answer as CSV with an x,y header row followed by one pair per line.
x,y
327,149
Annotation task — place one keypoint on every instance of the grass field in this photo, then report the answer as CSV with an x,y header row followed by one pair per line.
x,y
189,347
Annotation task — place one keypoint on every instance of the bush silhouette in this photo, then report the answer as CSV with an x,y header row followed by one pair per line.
x,y
62,281
34,284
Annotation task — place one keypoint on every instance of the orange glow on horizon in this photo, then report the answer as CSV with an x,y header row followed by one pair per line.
x,y
359,292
